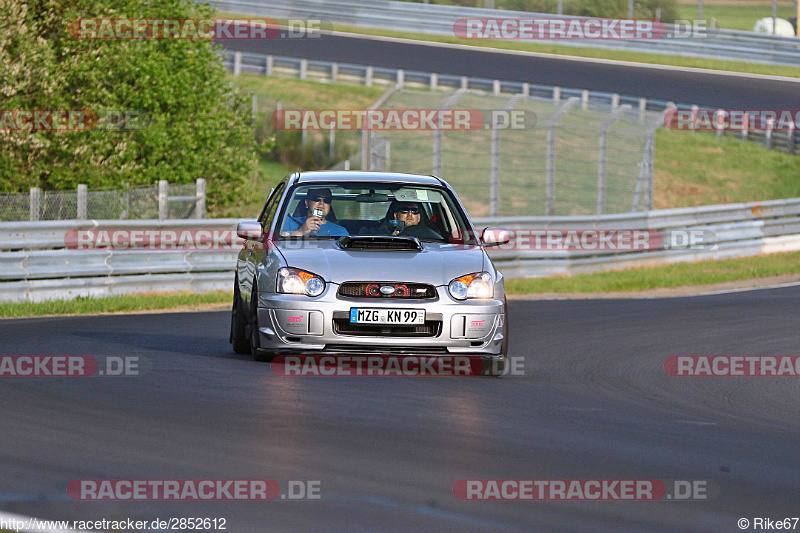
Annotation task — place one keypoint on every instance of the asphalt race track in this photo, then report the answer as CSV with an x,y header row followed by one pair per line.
x,y
680,86
594,403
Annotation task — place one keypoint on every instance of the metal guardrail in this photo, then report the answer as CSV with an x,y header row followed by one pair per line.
x,y
269,65
439,20
35,263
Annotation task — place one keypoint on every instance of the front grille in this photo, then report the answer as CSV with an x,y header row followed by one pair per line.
x,y
372,289
343,326
376,348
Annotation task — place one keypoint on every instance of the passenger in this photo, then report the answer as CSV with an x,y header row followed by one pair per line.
x,y
311,224
413,220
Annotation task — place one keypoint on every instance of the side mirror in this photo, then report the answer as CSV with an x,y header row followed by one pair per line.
x,y
249,229
495,236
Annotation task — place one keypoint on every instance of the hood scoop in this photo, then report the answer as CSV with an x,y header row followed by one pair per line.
x,y
365,242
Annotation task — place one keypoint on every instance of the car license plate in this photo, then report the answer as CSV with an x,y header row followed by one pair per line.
x,y
386,316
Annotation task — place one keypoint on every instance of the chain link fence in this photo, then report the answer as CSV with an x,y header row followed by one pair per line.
x,y
141,202
530,156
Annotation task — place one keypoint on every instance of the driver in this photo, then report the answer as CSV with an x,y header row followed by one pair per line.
x,y
317,207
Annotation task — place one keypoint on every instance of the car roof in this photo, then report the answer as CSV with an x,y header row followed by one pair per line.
x,y
364,177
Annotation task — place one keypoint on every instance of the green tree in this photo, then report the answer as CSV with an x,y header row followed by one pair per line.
x,y
198,126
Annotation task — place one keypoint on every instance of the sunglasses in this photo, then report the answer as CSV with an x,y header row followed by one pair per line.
x,y
325,199
404,210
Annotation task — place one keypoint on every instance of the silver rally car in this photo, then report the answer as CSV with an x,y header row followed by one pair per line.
x,y
368,263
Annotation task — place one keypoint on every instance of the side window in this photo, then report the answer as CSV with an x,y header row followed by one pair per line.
x,y
269,210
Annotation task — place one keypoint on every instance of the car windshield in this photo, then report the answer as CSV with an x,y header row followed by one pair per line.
x,y
328,211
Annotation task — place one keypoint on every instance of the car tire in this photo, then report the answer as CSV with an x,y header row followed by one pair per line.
x,y
238,338
259,354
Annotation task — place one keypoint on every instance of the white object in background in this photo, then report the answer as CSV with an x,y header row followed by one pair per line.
x,y
782,27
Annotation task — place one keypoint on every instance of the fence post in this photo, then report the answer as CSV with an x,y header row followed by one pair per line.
x,y
602,156
550,160
162,200
35,209
770,125
82,195
200,204
332,143
745,126
253,108
438,134
237,63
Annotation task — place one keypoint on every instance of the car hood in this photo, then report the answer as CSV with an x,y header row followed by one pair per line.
x,y
436,263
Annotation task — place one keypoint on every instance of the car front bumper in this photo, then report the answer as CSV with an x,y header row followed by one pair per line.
x,y
299,324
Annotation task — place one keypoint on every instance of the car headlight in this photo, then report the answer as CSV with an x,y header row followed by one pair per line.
x,y
478,285
296,281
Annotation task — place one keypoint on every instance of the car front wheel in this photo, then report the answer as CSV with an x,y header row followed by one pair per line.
x,y
238,338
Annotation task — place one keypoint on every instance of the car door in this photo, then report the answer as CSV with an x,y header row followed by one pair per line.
x,y
255,249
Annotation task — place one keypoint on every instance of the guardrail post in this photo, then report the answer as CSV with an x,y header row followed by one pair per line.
x,y
401,78
496,87
332,143
434,81
82,195
334,72
253,108
584,99
614,101
695,113
556,94
237,63
642,109
550,159
719,121
268,66
35,209
368,77
526,89
464,82
602,156
303,69
200,204
745,126
790,138
770,126
162,200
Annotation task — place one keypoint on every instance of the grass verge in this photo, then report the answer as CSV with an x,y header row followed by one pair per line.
x,y
579,51
668,276
115,304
